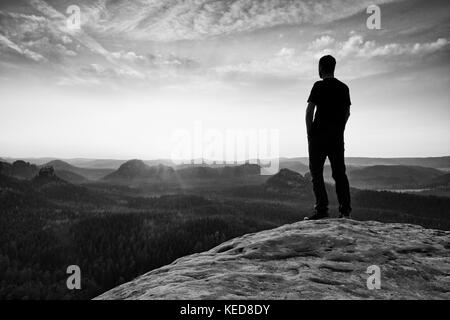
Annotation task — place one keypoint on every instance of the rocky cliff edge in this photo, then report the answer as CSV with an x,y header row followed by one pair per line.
x,y
326,259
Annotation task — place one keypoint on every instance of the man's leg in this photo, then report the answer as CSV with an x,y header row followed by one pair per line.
x,y
337,161
317,157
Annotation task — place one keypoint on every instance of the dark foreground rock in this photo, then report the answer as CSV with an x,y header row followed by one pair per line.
x,y
307,260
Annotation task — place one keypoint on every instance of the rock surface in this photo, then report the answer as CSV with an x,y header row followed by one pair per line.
x,y
307,260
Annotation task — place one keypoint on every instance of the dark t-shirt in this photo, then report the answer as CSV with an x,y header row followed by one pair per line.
x,y
332,99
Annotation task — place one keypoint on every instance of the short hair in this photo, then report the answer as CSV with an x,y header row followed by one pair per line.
x,y
327,64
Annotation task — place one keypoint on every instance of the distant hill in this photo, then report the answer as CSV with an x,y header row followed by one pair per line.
x,y
328,174
135,170
24,170
47,176
294,165
431,162
71,176
67,194
96,163
19,169
439,181
112,163
391,176
156,162
46,190
240,171
298,164
198,172
60,165
35,161
286,184
5,168
18,194
77,174
207,172
287,181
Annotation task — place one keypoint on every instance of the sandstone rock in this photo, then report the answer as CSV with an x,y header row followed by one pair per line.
x,y
47,177
307,260
288,181
47,172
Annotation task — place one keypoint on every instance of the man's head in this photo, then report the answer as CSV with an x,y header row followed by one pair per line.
x,y
326,66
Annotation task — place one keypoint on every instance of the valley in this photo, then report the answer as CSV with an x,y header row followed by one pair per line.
x,y
139,217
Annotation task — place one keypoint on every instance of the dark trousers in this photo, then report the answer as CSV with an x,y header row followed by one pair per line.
x,y
321,147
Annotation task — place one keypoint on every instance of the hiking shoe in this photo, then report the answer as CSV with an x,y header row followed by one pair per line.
x,y
317,215
344,212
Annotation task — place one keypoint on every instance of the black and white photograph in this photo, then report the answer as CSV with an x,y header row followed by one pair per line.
x,y
225,155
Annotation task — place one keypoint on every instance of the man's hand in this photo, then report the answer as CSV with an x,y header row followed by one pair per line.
x,y
309,117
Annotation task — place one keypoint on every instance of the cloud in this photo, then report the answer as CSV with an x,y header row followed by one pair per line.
x,y
34,36
6,43
66,39
171,20
285,63
322,42
46,39
102,47
357,46
286,52
95,69
129,56
353,54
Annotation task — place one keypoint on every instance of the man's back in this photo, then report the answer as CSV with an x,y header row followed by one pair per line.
x,y
332,99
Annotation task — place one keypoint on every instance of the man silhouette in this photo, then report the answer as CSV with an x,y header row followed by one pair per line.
x,y
330,99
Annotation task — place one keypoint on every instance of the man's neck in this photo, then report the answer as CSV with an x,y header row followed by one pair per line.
x,y
328,76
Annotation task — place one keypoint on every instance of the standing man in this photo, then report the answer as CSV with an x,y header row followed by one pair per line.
x,y
330,98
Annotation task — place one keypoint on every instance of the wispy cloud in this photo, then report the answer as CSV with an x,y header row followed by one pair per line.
x,y
45,38
351,53
8,44
172,20
357,46
321,43
151,25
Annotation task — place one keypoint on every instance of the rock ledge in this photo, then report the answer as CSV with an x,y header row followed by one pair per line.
x,y
307,260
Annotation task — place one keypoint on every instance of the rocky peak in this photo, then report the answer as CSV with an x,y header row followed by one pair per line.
x,y
46,176
327,259
133,166
136,170
47,172
19,169
286,180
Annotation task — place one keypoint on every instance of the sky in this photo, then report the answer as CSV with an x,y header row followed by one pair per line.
x,y
136,72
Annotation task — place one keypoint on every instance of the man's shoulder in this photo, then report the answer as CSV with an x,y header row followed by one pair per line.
x,y
342,84
334,83
318,83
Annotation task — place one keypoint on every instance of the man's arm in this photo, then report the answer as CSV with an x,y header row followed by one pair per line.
x,y
347,111
347,115
309,116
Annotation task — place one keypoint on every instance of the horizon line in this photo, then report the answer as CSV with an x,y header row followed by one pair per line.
x,y
210,160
